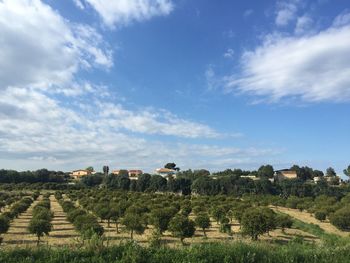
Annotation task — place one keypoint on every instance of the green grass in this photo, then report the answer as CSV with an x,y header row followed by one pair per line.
x,y
328,239
205,253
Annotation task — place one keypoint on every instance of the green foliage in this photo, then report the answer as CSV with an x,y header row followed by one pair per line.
x,y
39,227
182,227
257,221
347,171
218,213
284,221
341,218
4,224
40,224
266,171
225,226
205,253
320,215
134,222
202,221
330,172
160,218
86,224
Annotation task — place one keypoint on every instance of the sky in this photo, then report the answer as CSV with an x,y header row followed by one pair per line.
x,y
135,84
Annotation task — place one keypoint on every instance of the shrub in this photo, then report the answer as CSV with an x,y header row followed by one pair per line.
x,y
341,218
320,215
284,221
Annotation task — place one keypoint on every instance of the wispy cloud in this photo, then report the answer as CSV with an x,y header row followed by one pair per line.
x,y
286,11
229,53
248,13
122,12
311,67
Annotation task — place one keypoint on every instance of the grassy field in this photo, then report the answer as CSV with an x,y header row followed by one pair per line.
x,y
310,219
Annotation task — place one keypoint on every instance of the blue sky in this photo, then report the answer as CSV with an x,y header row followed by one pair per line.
x,y
139,83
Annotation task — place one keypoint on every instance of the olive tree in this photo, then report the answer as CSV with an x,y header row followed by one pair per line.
x,y
202,220
39,227
256,221
4,225
218,213
182,227
160,218
134,222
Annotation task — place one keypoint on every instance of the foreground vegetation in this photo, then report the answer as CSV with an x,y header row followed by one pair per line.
x,y
205,253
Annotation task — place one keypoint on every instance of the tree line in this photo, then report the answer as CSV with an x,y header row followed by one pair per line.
x,y
38,176
230,182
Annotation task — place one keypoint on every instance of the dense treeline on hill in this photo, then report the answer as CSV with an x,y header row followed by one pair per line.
x,y
229,182
39,176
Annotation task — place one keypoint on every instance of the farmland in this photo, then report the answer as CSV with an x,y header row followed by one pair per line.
x,y
194,217
99,223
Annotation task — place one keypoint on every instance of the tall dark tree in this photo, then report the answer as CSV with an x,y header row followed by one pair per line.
x,y
266,171
105,170
330,172
157,183
143,182
347,171
123,172
318,173
90,168
172,166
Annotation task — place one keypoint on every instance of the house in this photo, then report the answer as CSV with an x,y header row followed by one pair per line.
x,y
165,172
317,179
116,172
285,174
77,174
332,180
251,177
133,174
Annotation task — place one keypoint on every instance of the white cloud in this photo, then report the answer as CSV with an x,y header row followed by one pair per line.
x,y
303,25
286,12
229,53
342,19
41,49
37,131
121,12
310,68
41,54
79,4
